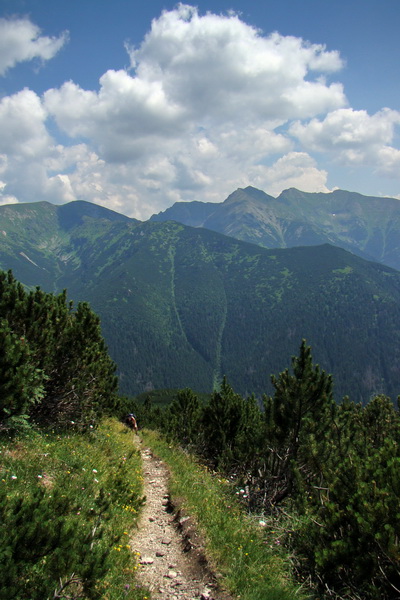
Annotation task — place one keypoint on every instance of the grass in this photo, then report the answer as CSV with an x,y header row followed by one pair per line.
x,y
67,506
252,564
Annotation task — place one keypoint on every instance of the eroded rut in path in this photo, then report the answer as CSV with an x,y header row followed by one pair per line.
x,y
171,560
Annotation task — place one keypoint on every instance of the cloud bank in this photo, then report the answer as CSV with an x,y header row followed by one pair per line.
x,y
208,104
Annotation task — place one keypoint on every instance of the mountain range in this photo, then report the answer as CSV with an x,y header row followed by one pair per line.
x,y
181,306
365,225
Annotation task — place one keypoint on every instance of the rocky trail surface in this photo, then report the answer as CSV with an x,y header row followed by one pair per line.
x,y
171,557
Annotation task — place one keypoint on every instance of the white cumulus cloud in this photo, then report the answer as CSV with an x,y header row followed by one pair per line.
x,y
295,169
353,137
218,66
22,125
20,41
29,157
198,112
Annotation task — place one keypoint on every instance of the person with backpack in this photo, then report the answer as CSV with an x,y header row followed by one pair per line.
x,y
131,422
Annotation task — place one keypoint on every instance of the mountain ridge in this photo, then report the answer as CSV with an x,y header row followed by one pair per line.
x,y
365,225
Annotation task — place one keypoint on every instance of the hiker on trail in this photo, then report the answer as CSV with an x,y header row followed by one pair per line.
x,y
131,422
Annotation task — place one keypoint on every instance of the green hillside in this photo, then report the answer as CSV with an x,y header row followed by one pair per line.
x,y
41,242
181,307
367,226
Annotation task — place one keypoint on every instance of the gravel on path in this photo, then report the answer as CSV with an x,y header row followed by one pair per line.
x,y
171,557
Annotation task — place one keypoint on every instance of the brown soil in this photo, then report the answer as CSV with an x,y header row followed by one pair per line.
x,y
171,553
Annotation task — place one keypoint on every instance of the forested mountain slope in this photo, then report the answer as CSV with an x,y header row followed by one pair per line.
x,y
181,307
365,225
41,242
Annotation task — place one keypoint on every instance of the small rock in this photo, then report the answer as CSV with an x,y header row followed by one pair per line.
x,y
166,541
146,560
172,574
160,554
152,519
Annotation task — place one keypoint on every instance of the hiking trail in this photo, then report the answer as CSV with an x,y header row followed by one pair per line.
x,y
172,561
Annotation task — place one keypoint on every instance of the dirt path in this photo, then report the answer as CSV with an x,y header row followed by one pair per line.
x,y
172,563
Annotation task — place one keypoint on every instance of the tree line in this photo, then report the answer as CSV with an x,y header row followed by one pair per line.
x,y
327,474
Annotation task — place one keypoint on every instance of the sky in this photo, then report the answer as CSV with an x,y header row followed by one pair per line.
x,y
135,106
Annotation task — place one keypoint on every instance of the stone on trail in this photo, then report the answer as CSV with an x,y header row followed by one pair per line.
x,y
166,541
171,574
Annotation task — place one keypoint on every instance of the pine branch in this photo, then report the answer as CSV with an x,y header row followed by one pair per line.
x,y
58,593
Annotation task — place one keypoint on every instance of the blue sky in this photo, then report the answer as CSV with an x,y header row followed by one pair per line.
x,y
136,106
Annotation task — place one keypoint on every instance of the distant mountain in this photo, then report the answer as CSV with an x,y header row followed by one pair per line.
x,y
365,225
42,242
181,307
